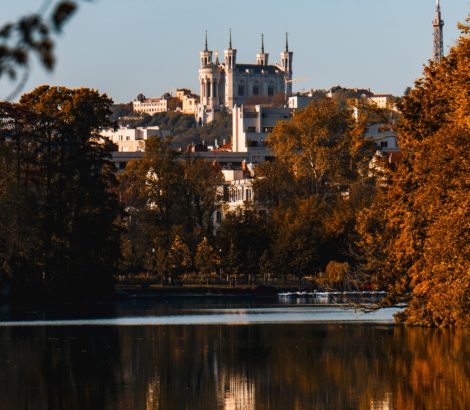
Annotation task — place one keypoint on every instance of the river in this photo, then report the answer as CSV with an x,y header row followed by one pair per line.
x,y
207,353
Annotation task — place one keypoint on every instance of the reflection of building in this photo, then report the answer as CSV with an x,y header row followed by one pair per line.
x,y
226,84
250,129
235,392
132,139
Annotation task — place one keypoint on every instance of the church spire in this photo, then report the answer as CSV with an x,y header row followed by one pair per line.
x,y
262,57
230,39
287,42
438,25
206,46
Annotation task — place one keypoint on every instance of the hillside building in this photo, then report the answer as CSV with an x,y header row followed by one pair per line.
x,y
150,106
226,84
251,126
132,139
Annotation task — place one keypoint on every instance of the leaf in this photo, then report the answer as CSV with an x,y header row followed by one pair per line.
x,y
62,13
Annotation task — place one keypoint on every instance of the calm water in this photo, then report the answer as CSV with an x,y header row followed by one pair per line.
x,y
202,354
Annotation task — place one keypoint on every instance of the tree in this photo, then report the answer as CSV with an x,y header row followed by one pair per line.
x,y
166,197
424,203
206,259
64,169
242,238
318,145
179,256
315,186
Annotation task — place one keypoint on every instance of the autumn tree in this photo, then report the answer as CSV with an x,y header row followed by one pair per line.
x,y
166,198
315,186
421,217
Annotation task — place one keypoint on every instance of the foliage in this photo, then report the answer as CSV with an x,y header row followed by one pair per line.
x,y
242,238
32,35
206,259
421,216
315,187
57,186
170,205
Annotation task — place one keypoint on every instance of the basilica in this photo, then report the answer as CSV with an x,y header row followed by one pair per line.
x,y
226,84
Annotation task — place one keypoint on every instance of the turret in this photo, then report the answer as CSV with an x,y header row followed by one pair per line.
x,y
206,55
262,58
286,58
230,54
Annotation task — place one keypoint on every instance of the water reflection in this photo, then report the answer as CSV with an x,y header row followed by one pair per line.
x,y
291,366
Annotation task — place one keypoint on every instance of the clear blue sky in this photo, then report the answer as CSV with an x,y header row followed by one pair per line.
x,y
125,47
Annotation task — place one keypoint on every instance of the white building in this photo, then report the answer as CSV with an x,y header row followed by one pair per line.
x,y
251,126
224,85
384,136
190,102
384,101
299,102
150,106
132,139
237,191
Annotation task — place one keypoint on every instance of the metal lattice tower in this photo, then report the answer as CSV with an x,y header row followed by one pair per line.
x,y
438,25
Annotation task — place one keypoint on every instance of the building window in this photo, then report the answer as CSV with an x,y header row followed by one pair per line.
x,y
255,89
248,194
383,144
250,129
270,90
241,90
218,217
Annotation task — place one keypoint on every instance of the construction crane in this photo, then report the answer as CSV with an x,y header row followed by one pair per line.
x,y
292,80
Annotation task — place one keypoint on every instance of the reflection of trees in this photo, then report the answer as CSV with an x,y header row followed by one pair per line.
x,y
57,368
297,367
233,367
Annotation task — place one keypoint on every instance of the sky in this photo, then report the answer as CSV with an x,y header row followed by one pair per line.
x,y
127,47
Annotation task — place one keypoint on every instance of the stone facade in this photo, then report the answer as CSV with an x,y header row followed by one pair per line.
x,y
226,84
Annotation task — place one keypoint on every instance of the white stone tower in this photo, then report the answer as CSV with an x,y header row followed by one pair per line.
x,y
286,64
230,59
262,58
